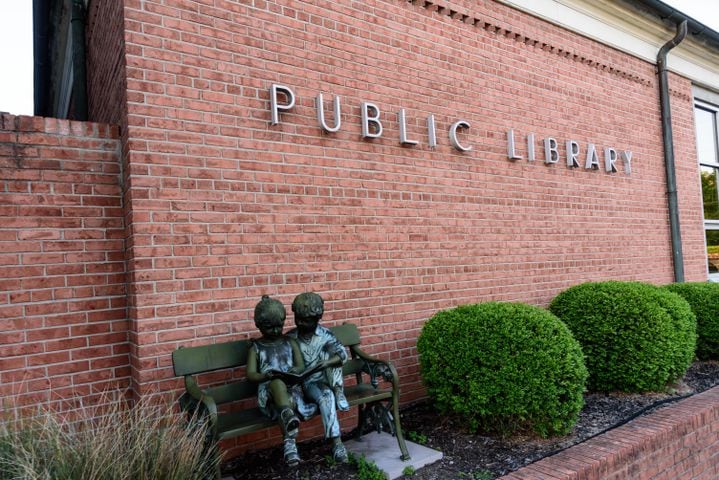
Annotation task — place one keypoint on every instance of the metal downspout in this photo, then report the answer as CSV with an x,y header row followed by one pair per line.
x,y
79,80
677,256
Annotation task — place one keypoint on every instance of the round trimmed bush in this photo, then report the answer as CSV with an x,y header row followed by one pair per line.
x,y
503,367
635,336
703,298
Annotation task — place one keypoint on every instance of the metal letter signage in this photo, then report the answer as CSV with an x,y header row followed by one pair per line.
x,y
592,162
530,147
402,119
368,119
282,99
551,150
431,132
627,159
453,135
610,158
321,114
275,106
511,153
574,153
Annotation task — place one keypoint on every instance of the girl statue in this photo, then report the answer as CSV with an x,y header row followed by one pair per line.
x,y
273,361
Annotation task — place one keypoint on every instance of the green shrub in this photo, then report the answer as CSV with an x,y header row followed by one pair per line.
x,y
108,442
703,298
503,367
635,336
366,469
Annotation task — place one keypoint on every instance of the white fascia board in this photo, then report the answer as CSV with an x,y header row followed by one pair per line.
x,y
626,30
698,74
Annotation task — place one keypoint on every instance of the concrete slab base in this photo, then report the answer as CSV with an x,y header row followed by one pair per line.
x,y
382,449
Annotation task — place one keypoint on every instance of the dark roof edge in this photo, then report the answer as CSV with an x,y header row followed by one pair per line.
x,y
672,16
41,56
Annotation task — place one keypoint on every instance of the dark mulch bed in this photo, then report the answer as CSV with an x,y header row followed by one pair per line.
x,y
473,455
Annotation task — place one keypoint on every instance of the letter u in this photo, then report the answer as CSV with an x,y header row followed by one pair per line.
x,y
321,114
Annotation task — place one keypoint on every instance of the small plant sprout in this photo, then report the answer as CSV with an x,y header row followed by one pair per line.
x,y
366,469
416,437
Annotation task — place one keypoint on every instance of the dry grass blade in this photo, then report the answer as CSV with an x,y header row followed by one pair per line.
x,y
109,441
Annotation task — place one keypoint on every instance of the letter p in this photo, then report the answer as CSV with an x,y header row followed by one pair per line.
x,y
274,103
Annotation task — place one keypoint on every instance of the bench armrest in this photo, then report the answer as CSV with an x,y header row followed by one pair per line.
x,y
376,367
196,401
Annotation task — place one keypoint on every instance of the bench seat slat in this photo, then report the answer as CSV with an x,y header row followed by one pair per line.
x,y
366,393
244,389
231,392
232,424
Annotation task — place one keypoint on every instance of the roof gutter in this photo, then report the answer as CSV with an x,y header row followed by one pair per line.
x,y
667,134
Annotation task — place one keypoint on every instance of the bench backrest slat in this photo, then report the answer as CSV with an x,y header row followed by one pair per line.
x,y
347,333
208,358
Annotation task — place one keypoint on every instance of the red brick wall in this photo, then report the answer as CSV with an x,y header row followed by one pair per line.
x,y
63,326
678,441
108,95
226,207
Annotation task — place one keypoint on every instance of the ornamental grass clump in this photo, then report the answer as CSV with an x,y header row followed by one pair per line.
x,y
503,367
108,442
703,298
636,337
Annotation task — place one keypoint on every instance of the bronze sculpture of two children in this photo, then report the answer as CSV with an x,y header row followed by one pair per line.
x,y
299,372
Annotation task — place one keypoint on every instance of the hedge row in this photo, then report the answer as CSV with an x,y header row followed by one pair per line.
x,y
635,336
503,366
703,298
510,367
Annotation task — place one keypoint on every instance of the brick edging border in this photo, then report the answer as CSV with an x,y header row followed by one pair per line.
x,y
677,441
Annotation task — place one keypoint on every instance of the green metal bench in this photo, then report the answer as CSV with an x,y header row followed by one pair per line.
x,y
378,401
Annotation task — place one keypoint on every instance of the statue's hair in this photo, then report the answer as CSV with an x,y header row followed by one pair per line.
x,y
269,311
308,304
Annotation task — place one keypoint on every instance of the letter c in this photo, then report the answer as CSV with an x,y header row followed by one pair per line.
x,y
453,135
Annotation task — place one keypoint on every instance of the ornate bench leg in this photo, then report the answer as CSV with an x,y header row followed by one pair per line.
x,y
361,421
196,419
398,427
211,449
382,416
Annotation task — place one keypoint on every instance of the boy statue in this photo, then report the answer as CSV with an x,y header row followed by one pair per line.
x,y
321,350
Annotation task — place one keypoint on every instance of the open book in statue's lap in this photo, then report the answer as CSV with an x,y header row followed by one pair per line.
x,y
292,378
